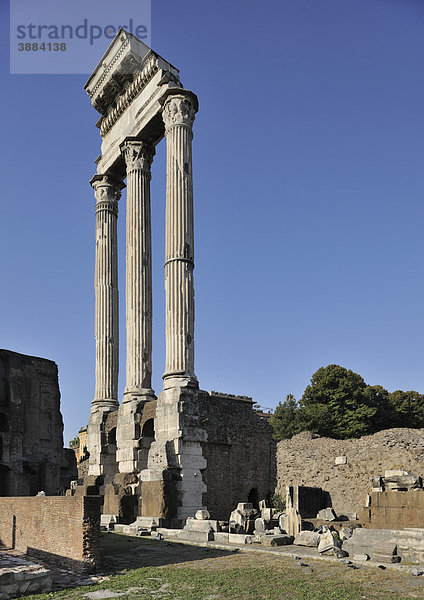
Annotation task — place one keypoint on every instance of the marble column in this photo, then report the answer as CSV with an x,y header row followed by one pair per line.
x,y
107,191
178,115
138,158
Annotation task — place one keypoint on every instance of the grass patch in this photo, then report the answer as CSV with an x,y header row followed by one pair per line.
x,y
181,572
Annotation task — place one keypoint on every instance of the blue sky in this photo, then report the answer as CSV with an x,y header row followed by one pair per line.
x,y
309,180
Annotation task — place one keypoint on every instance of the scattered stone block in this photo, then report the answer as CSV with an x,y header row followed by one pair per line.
x,y
260,525
220,536
327,542
293,522
239,538
327,514
167,532
361,557
196,536
282,522
417,571
340,460
148,522
398,479
244,506
237,521
202,515
345,533
307,538
266,514
200,525
277,540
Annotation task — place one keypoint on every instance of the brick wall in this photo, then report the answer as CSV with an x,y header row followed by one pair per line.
x,y
307,459
62,529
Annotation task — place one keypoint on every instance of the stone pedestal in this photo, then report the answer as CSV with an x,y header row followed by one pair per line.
x,y
176,461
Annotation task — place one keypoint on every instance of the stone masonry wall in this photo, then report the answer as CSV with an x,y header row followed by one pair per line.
x,y
240,453
62,529
32,457
394,510
307,459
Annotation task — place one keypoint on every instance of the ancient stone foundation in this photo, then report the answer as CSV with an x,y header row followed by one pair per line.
x,y
343,468
62,529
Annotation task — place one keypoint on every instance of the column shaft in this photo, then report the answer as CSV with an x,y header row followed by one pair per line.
x,y
107,193
178,115
138,157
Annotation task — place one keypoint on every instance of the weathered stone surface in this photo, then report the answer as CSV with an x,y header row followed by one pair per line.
x,y
327,514
409,543
307,538
293,522
196,536
239,538
266,514
32,456
327,542
202,515
220,537
361,557
276,540
345,533
307,459
204,525
400,479
260,525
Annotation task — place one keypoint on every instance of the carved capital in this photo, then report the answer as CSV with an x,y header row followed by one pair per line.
x,y
107,191
178,110
138,156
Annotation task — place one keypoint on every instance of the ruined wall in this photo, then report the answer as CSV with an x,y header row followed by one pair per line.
x,y
240,453
394,510
308,459
32,457
62,529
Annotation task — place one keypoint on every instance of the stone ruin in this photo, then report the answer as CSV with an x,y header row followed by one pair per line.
x,y
32,456
159,457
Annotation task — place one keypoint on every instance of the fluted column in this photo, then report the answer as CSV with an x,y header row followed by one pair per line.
x,y
107,191
138,158
178,115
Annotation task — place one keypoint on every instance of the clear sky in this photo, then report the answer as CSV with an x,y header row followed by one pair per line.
x,y
309,192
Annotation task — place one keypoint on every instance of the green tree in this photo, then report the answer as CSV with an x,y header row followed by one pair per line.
x,y
337,404
407,409
379,398
284,420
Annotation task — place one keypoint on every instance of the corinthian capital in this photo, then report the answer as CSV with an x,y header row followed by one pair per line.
x,y
107,191
179,109
138,155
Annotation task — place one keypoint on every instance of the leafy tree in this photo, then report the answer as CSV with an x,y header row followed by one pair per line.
x,y
336,403
407,409
284,420
379,398
339,404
